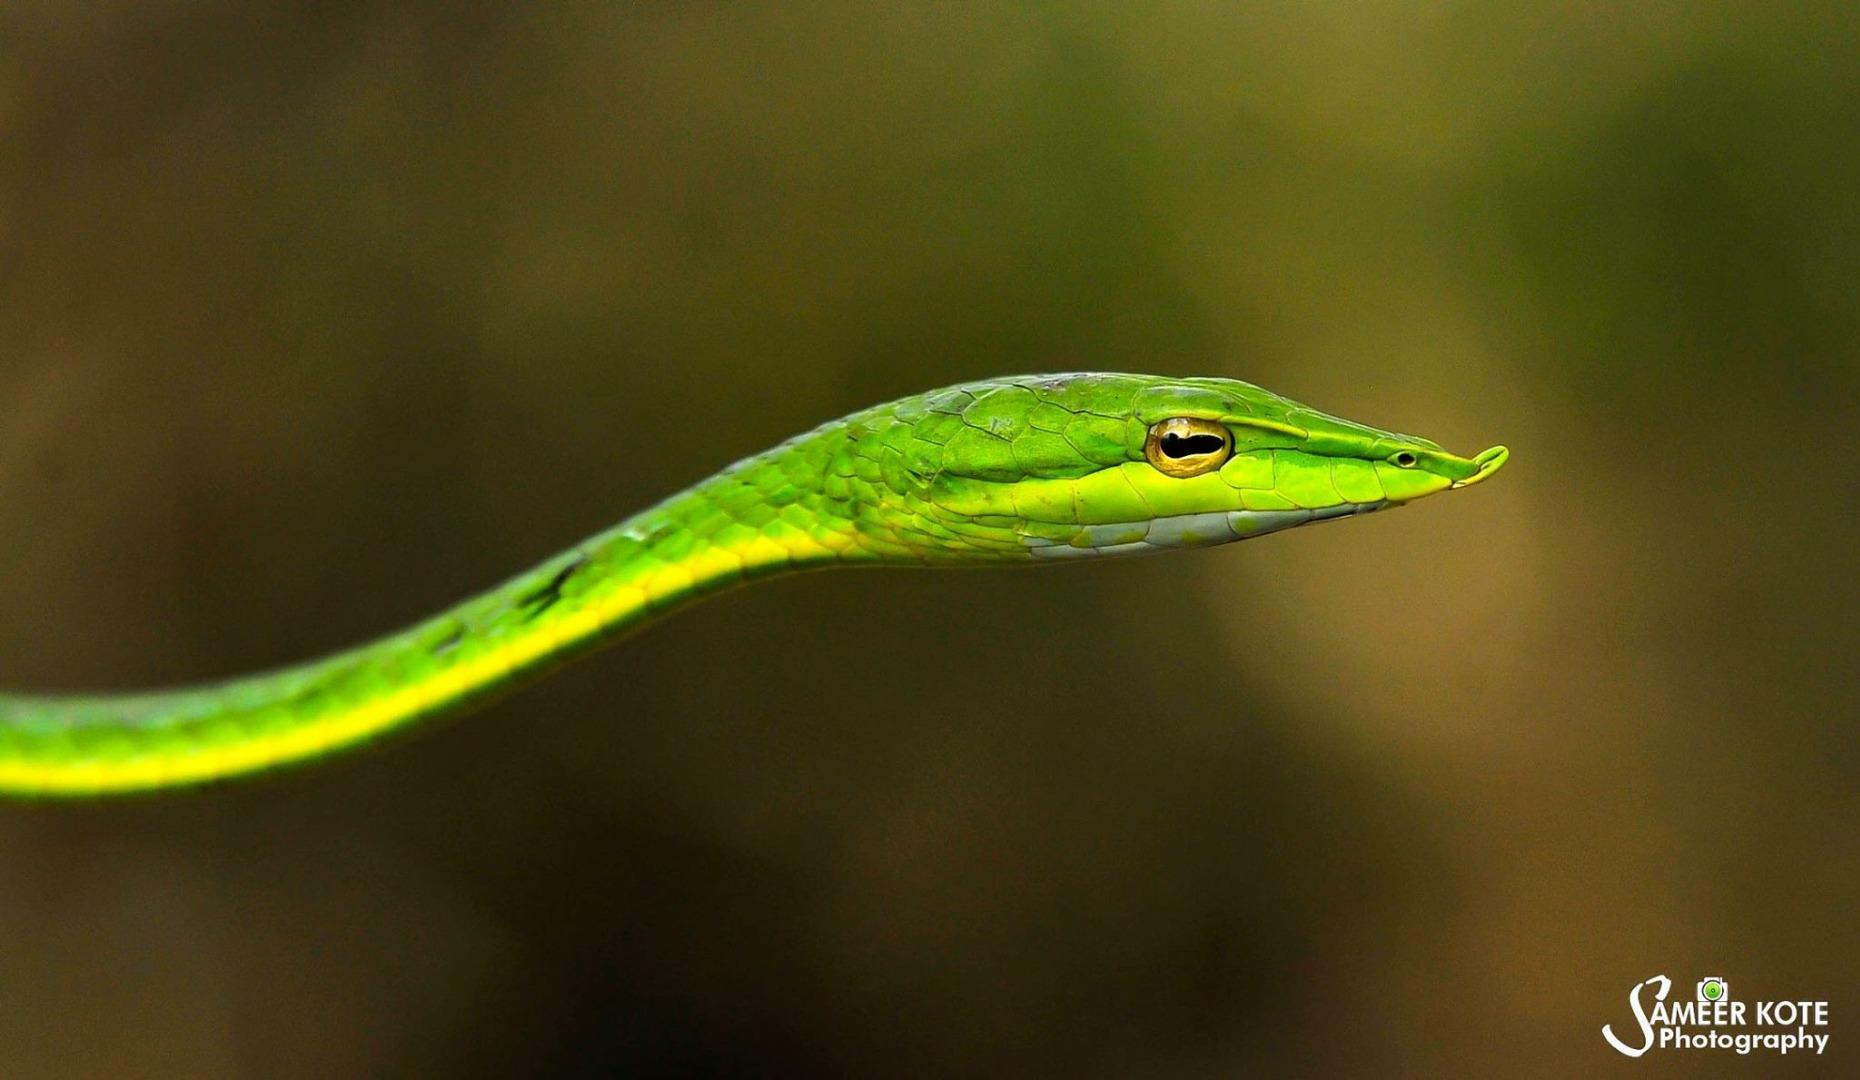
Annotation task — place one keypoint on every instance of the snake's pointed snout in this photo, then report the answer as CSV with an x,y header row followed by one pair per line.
x,y
1489,462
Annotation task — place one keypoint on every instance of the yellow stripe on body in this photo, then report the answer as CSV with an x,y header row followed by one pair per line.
x,y
177,766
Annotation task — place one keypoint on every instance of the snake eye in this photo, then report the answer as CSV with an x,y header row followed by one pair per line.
x,y
1185,446
1404,458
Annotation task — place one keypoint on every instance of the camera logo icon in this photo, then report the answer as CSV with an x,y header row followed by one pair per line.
x,y
1713,989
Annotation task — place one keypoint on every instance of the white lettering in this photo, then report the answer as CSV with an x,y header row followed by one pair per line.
x,y
1666,1024
1640,1016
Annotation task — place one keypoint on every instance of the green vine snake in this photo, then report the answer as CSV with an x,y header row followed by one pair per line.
x,y
1017,470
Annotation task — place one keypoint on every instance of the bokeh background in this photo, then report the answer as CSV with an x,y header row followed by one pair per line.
x,y
316,318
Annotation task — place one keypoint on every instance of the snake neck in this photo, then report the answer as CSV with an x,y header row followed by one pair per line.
x,y
845,493
762,516
766,515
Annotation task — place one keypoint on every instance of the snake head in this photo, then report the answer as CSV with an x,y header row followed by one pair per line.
x,y
1058,466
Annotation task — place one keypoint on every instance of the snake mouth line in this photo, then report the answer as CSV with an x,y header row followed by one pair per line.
x,y
1187,530
1489,462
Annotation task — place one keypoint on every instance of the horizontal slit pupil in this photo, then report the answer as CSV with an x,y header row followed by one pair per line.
x,y
1181,446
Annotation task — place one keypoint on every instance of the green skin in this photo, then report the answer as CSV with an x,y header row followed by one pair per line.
x,y
1005,471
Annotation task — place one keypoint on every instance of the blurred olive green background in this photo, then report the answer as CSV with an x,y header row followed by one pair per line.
x,y
316,319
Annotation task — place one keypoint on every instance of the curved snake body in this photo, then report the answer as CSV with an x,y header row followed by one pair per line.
x,y
1015,470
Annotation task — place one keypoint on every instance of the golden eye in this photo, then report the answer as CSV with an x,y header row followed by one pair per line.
x,y
1185,446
